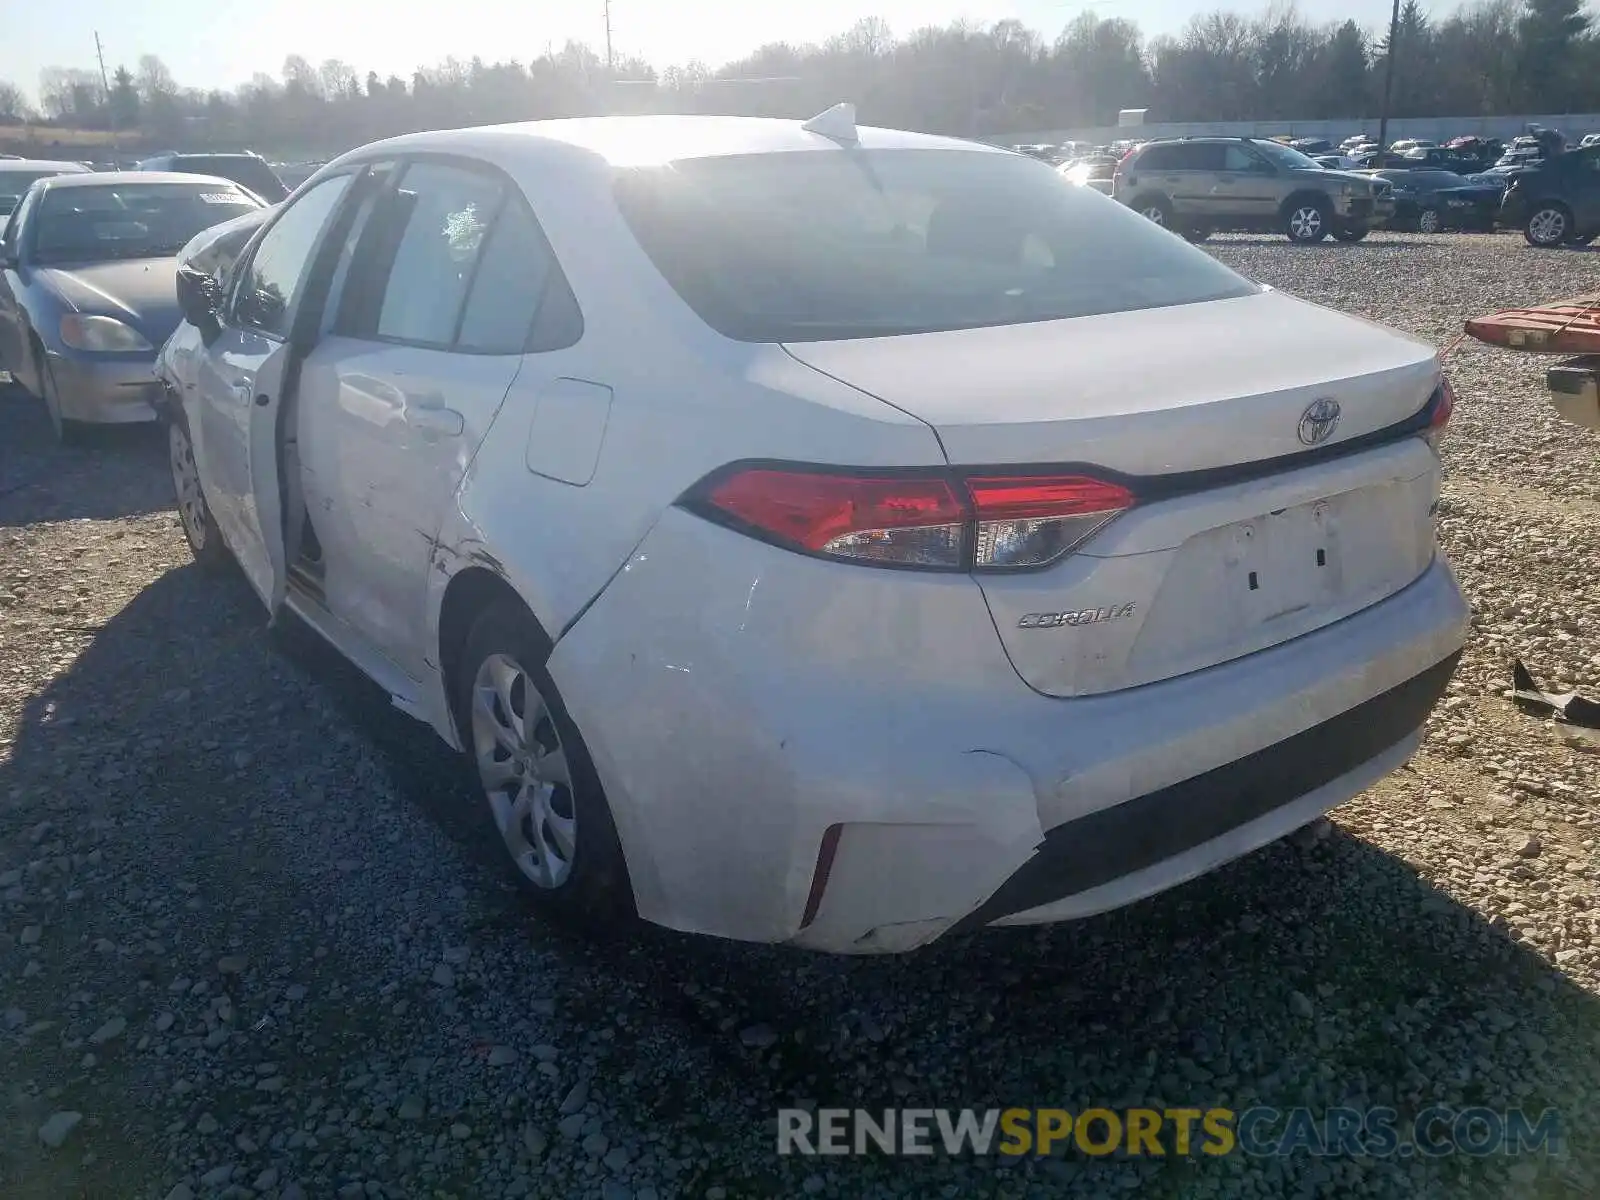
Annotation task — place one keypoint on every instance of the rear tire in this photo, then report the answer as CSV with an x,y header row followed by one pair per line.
x,y
200,528
543,799
1154,209
1548,226
1306,222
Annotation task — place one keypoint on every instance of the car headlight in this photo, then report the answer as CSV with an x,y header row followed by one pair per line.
x,y
101,335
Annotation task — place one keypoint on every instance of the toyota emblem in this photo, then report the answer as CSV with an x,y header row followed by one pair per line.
x,y
1319,421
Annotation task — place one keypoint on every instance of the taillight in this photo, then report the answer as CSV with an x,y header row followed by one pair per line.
x,y
1444,403
1029,521
933,520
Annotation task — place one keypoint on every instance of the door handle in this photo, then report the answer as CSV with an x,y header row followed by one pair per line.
x,y
241,392
436,422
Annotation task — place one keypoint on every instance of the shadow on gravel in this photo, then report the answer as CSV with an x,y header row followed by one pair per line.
x,y
1316,977
119,471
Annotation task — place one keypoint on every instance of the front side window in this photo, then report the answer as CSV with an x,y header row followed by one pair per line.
x,y
270,282
1286,157
820,245
97,222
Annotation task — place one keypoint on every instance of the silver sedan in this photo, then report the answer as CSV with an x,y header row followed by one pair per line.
x,y
88,286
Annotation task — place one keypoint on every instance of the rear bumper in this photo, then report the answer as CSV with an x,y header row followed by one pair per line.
x,y
746,707
106,391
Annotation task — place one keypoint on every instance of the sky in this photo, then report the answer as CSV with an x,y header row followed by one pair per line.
x,y
221,43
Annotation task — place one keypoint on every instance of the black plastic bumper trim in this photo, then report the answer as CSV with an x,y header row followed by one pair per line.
x,y
1128,837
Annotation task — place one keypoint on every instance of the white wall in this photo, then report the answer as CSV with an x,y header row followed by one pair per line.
x,y
1439,129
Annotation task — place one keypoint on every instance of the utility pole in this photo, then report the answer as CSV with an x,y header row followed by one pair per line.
x,y
1388,86
105,82
608,37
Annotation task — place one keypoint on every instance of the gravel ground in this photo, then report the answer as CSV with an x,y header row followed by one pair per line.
x,y
250,938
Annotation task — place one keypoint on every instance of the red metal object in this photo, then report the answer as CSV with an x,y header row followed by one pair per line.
x,y
1561,327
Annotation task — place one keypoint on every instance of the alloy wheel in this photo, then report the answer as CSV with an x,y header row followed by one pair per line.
x,y
1154,214
1547,227
1305,224
1429,222
524,771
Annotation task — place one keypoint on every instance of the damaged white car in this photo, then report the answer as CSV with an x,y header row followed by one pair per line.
x,y
823,535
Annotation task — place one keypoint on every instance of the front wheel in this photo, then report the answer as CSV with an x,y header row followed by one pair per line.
x,y
1430,220
200,528
1547,226
1307,223
541,792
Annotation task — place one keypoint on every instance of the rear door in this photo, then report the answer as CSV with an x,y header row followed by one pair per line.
x,y
1586,188
440,321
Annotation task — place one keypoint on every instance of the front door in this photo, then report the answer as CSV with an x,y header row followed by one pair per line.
x,y
243,378
1246,185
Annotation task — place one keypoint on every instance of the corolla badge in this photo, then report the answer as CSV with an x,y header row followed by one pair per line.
x,y
1319,420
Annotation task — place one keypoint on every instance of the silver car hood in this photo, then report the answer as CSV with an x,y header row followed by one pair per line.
x,y
143,292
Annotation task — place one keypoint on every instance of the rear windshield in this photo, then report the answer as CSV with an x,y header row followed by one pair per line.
x,y
824,245
248,172
129,220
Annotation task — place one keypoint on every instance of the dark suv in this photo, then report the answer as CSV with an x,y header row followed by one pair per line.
x,y
1196,186
1556,202
247,170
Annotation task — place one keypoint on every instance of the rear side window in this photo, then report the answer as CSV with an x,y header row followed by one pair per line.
x,y
511,282
1157,158
822,245
453,259
449,213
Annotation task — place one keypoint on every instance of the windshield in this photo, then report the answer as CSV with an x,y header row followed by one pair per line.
x,y
821,245
1287,156
129,220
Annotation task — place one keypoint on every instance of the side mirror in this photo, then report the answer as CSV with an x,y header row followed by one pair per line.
x,y
201,301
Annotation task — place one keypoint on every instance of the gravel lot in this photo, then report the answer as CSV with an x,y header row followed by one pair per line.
x,y
248,931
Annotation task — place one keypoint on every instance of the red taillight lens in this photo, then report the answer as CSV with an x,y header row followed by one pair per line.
x,y
1033,520
917,520
1444,404
913,521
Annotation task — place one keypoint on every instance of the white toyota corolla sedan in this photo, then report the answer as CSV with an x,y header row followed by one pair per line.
x,y
823,535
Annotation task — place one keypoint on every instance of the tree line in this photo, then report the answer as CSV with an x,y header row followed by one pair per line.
x,y
1487,58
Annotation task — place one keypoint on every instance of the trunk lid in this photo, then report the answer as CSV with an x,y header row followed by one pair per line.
x,y
1191,577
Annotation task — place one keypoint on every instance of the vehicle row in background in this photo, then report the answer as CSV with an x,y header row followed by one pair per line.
x,y
88,286
1201,185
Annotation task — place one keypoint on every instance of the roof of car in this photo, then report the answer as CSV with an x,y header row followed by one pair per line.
x,y
642,140
43,164
108,178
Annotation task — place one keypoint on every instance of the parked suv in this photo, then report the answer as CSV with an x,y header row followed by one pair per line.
x,y
246,169
1196,186
1556,202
